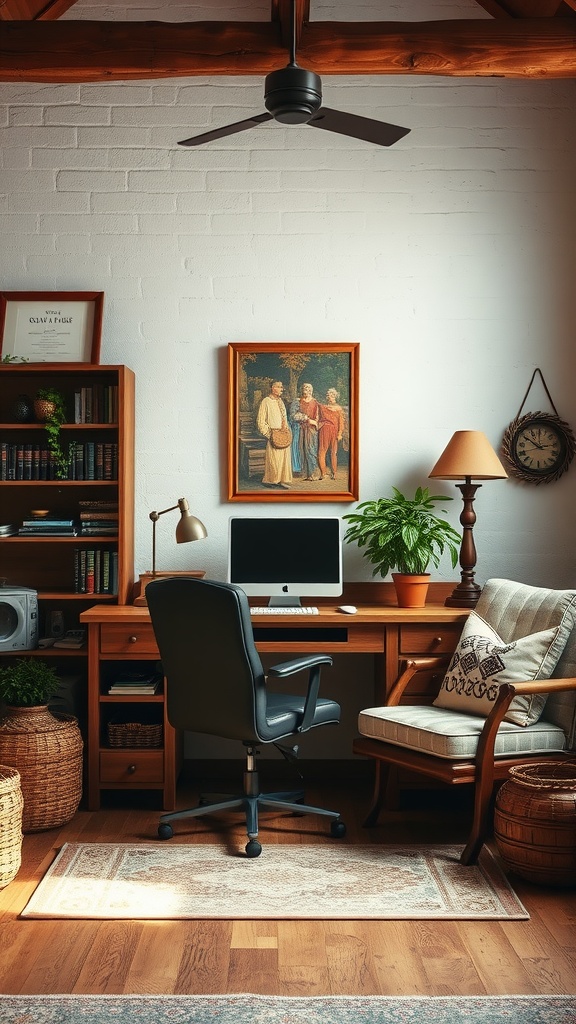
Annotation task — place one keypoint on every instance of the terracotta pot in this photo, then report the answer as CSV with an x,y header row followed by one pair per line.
x,y
411,590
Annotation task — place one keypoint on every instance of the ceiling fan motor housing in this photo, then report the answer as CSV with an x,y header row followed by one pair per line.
x,y
292,94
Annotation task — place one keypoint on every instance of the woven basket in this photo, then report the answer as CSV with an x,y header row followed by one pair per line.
x,y
47,751
134,734
535,822
10,824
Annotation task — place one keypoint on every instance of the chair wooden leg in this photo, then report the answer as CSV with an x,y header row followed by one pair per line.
x,y
480,822
377,797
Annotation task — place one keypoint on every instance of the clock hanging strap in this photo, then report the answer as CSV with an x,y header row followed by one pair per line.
x,y
537,370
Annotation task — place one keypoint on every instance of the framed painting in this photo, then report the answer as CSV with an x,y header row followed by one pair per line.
x,y
293,421
51,327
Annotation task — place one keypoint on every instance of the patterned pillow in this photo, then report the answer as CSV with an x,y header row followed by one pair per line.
x,y
482,661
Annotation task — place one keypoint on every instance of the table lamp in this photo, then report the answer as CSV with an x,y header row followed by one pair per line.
x,y
468,455
188,528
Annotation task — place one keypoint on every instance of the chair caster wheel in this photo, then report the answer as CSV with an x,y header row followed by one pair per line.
x,y
165,831
253,848
338,829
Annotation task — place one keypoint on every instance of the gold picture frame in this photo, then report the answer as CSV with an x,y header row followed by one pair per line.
x,y
51,327
293,421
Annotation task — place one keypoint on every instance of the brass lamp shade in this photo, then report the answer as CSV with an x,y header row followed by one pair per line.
x,y
468,453
189,527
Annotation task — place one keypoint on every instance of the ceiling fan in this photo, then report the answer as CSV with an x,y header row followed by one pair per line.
x,y
293,95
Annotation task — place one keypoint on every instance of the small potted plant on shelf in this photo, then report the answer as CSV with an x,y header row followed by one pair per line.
x,y
405,534
49,409
45,748
28,682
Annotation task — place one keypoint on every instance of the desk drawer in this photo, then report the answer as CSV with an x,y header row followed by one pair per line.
x,y
132,766
117,638
438,639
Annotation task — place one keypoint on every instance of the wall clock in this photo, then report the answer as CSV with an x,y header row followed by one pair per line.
x,y
538,447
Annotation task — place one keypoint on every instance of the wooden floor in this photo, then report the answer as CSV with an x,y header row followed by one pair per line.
x,y
286,957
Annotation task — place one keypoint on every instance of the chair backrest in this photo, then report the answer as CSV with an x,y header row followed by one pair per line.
x,y
215,679
516,610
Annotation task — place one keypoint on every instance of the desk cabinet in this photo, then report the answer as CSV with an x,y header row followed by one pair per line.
x,y
123,635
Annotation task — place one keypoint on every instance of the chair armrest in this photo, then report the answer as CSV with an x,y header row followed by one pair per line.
x,y
411,668
314,663
287,668
543,686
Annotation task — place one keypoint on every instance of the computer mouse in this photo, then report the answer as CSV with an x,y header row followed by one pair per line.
x,y
348,609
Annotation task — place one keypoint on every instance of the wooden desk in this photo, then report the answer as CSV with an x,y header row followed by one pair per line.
x,y
123,633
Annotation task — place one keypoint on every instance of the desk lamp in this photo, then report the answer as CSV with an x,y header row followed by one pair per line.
x,y
188,528
468,454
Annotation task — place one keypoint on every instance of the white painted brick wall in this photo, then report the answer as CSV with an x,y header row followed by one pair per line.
x,y
450,257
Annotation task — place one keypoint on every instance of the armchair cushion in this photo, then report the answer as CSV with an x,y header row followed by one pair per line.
x,y
483,661
453,735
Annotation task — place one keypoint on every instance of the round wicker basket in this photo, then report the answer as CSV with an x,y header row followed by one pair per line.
x,y
46,749
10,824
535,822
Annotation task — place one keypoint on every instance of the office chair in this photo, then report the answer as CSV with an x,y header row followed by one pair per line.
x,y
215,684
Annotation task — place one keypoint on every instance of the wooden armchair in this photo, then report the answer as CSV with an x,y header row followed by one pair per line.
x,y
457,748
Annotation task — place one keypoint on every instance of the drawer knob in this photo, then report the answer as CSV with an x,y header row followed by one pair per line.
x,y
132,639
131,769
437,641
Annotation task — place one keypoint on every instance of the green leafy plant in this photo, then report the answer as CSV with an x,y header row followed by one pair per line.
x,y
52,424
15,359
402,533
28,682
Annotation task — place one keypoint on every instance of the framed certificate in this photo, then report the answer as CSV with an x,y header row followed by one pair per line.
x,y
51,327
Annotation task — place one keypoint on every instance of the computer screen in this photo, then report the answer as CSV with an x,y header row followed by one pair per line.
x,y
285,559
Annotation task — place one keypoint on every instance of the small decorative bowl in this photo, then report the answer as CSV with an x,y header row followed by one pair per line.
x,y
39,513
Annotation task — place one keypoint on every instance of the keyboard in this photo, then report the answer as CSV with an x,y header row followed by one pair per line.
x,y
304,609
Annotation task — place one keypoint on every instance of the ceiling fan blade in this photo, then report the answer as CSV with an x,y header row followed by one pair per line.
x,y
357,127
229,129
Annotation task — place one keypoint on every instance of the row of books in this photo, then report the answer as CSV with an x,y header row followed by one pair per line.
x,y
88,461
95,571
97,403
93,460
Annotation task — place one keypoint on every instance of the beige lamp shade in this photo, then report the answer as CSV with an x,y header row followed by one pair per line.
x,y
468,454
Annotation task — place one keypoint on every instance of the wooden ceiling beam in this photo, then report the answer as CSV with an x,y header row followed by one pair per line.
x,y
96,51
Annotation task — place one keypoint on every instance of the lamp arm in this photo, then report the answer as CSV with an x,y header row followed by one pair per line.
x,y
155,516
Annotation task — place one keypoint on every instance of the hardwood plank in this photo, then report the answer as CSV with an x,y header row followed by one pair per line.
x,y
290,957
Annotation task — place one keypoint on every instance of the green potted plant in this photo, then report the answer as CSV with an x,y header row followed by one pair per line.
x,y
405,534
28,682
49,409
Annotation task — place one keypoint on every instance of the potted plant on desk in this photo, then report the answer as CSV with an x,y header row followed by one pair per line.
x,y
45,748
405,534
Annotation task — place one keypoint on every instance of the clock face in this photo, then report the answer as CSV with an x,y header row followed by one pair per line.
x,y
538,448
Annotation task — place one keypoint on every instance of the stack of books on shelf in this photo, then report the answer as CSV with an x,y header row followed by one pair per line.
x,y
97,403
8,529
136,684
95,571
43,526
99,518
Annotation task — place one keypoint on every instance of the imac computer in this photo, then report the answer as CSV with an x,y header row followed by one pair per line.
x,y
285,559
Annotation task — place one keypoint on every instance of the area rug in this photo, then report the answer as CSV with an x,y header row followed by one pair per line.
x,y
169,882
255,1009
